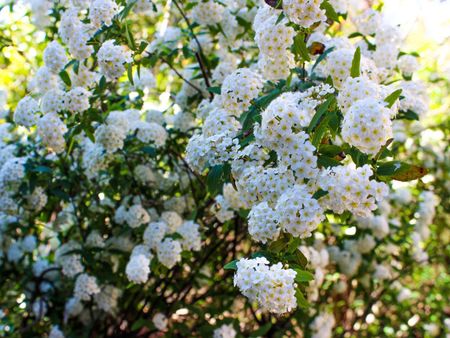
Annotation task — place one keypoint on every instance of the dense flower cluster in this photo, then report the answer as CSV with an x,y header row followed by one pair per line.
x,y
159,144
304,12
356,192
112,59
271,286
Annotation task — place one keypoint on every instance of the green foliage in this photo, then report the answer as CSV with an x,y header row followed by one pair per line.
x,y
355,71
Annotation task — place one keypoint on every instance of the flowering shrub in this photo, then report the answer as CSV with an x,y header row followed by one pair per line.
x,y
220,168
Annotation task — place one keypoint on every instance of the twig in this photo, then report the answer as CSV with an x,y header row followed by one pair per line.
x,y
198,55
181,76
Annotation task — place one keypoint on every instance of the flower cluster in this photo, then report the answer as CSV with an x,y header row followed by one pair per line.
x,y
355,191
157,141
367,125
271,286
304,12
274,40
112,59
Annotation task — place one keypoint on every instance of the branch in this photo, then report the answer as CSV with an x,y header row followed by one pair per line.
x,y
180,76
198,55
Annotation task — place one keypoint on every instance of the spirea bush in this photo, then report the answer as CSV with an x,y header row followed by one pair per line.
x,y
232,168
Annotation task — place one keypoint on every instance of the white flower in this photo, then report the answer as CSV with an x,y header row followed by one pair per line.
x,y
368,21
107,299
44,80
112,58
102,12
53,101
29,243
77,100
191,236
144,174
208,12
298,213
154,233
225,331
151,132
382,272
160,321
355,89
271,286
55,57
12,173
322,326
339,63
26,112
85,287
69,260
138,268
408,64
262,224
304,12
239,88
110,136
56,332
136,216
51,130
172,219
350,188
169,252
15,252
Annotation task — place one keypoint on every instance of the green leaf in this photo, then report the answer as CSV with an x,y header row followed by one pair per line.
x,y
320,193
65,77
356,63
303,276
330,149
390,100
383,149
326,162
280,17
293,245
301,300
130,73
335,122
321,58
244,23
89,134
243,212
298,258
249,117
142,47
127,9
140,323
320,111
261,331
214,90
407,115
231,265
76,66
401,171
258,254
42,169
357,156
355,35
320,131
102,83
279,244
215,179
130,39
190,5
329,11
299,47
149,150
